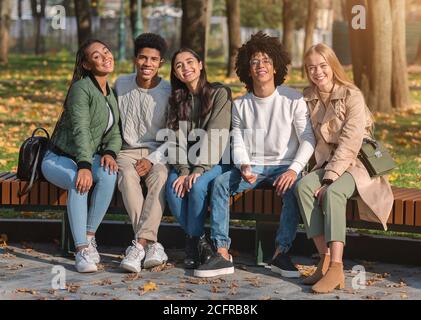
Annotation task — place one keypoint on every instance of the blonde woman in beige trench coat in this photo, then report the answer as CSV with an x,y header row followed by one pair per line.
x,y
340,120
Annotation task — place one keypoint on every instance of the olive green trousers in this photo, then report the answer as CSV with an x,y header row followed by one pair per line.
x,y
330,219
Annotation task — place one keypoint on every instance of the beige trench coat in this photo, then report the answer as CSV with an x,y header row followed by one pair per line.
x,y
339,132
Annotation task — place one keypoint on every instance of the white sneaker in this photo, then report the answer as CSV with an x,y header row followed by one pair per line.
x,y
155,255
134,256
84,262
93,253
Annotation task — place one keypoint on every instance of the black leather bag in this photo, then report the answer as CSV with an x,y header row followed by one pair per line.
x,y
30,157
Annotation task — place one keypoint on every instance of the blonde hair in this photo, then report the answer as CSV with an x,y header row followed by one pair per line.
x,y
339,74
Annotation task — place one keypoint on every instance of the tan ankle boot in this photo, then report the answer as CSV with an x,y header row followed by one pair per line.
x,y
321,270
333,279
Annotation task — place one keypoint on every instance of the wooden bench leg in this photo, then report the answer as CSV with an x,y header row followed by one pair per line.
x,y
67,243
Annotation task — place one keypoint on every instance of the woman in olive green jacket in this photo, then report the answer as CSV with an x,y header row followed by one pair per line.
x,y
83,149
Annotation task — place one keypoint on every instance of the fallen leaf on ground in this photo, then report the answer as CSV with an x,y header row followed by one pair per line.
x,y
150,286
25,290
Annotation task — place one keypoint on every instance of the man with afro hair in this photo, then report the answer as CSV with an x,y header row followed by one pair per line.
x,y
272,141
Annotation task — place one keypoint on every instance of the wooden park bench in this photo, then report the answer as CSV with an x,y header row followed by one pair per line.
x,y
261,205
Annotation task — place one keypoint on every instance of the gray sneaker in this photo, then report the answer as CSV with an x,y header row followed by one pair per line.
x,y
134,256
155,255
93,253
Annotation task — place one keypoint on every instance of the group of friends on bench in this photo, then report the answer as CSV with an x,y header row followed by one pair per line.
x,y
112,136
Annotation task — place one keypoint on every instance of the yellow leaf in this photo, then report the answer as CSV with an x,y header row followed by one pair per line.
x,y
150,286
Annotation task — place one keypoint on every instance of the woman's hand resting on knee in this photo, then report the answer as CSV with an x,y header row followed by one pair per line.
x,y
84,180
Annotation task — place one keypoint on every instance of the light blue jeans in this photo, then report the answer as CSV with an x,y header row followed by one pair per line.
x,y
191,210
62,172
231,183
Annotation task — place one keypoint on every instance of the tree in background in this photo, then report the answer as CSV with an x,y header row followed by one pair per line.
x,y
38,13
234,34
83,18
310,26
5,13
194,24
378,54
418,55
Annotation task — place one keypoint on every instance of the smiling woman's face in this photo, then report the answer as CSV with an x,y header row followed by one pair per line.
x,y
187,68
319,71
99,59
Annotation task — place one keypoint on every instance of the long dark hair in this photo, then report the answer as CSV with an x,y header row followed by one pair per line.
x,y
79,72
180,105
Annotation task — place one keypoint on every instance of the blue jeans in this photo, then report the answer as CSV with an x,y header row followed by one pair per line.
x,y
231,183
62,172
190,211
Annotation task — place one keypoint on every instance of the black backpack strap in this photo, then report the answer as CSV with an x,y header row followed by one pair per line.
x,y
34,169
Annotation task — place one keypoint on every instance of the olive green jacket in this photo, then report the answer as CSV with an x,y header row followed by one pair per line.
x,y
81,130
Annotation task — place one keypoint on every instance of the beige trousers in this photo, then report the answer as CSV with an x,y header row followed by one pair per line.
x,y
145,212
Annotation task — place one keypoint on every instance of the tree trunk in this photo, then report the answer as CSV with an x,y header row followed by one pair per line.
x,y
194,24
84,23
5,19
400,83
234,34
288,25
418,56
360,55
380,25
21,32
37,16
310,25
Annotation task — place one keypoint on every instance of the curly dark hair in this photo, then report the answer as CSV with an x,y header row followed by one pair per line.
x,y
150,40
180,104
261,42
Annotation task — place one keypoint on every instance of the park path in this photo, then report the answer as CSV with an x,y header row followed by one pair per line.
x,y
26,273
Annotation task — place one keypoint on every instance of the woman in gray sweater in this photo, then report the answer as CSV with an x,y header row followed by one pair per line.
x,y
200,112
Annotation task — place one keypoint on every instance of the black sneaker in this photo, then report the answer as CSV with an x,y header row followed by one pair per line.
x,y
192,259
283,265
206,250
215,266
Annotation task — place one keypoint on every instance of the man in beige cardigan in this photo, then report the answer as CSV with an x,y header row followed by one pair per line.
x,y
143,99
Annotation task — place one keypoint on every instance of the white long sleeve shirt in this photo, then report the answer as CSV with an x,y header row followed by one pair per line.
x,y
275,130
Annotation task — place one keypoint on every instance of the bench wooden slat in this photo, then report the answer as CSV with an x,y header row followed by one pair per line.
x,y
53,195
15,199
268,201
25,198
418,213
277,204
62,197
5,192
258,201
44,193
34,194
9,176
248,201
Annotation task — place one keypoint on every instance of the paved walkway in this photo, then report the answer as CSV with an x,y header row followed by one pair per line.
x,y
27,272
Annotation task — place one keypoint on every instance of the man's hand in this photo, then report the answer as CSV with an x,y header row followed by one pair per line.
x,y
109,164
285,181
247,174
84,180
143,166
190,180
178,186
